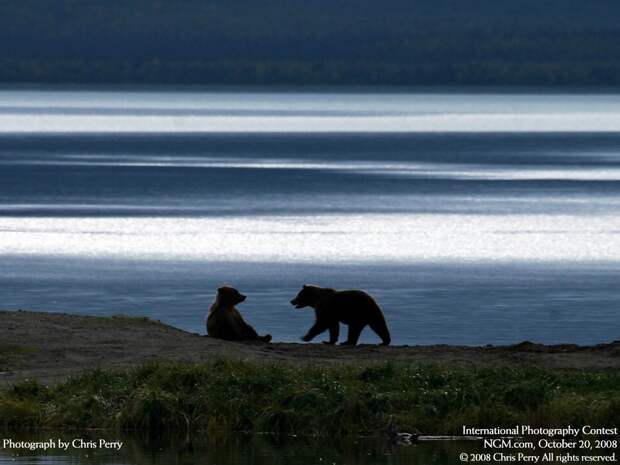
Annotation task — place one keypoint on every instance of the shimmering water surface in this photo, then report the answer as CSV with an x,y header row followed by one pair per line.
x,y
473,218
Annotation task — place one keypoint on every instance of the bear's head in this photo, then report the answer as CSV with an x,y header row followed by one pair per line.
x,y
307,297
229,296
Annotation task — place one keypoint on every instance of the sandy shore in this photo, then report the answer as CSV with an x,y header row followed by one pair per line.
x,y
51,346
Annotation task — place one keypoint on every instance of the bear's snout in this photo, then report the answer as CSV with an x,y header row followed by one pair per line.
x,y
242,297
294,302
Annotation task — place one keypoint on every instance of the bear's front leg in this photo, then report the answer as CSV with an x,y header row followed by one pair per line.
x,y
334,331
317,329
354,335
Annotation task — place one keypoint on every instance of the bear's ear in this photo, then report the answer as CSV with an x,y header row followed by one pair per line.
x,y
305,286
220,289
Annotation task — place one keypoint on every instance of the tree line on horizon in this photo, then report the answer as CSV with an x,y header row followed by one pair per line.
x,y
296,42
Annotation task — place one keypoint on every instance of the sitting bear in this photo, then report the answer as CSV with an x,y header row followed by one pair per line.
x,y
354,308
224,320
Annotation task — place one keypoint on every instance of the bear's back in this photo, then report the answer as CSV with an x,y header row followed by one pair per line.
x,y
352,306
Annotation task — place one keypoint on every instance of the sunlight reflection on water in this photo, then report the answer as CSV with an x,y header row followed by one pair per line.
x,y
152,111
322,238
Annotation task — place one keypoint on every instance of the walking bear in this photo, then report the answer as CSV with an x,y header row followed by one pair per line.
x,y
224,320
354,308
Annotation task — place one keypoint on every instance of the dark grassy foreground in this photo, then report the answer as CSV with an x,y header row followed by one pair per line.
x,y
227,396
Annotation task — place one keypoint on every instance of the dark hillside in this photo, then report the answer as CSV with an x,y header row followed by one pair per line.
x,y
407,42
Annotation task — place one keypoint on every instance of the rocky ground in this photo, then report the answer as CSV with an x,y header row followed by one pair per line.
x,y
51,346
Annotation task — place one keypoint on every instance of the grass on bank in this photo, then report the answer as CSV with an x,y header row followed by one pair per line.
x,y
232,396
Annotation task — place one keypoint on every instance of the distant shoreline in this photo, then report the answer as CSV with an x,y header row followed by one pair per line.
x,y
311,88
49,347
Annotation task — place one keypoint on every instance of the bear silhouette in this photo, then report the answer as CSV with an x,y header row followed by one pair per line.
x,y
352,307
224,320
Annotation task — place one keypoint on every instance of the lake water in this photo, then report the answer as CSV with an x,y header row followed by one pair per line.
x,y
473,218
